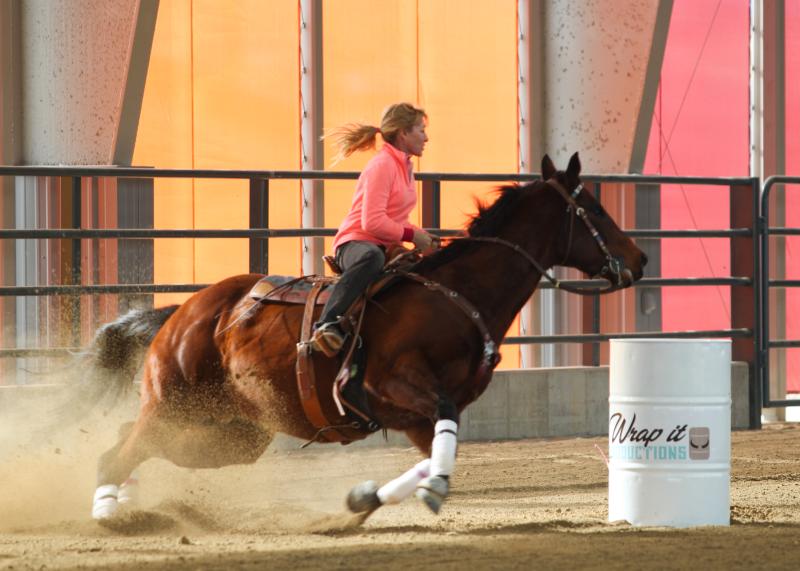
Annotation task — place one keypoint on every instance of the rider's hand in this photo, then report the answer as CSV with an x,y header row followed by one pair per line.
x,y
425,242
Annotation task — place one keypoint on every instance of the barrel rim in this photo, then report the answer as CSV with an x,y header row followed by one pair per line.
x,y
719,400
672,341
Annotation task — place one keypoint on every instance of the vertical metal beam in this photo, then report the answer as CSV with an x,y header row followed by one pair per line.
x,y
10,84
311,123
648,299
75,59
760,394
743,213
10,149
75,261
590,313
590,318
259,218
134,205
774,163
26,271
595,300
138,62
652,80
431,204
755,391
767,158
537,316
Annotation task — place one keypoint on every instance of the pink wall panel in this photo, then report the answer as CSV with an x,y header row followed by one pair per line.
x,y
700,128
792,35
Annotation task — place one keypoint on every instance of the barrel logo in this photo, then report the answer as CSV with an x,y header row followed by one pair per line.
x,y
632,440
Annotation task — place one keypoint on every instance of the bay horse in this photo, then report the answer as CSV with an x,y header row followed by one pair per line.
x,y
218,384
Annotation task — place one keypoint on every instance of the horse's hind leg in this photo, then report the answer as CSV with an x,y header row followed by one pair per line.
x,y
129,489
116,465
190,446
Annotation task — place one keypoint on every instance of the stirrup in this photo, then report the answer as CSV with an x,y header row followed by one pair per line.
x,y
328,339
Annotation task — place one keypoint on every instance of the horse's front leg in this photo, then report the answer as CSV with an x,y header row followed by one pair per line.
x,y
366,497
430,477
433,489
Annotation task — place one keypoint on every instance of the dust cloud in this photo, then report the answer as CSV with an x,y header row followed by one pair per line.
x,y
50,443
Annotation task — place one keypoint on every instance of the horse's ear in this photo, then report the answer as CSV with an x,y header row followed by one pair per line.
x,y
548,168
574,166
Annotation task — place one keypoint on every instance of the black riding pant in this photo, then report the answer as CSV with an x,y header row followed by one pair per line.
x,y
361,263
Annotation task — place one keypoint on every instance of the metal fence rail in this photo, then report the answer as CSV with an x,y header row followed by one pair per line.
x,y
743,192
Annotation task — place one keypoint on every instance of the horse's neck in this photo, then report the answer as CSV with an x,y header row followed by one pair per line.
x,y
497,280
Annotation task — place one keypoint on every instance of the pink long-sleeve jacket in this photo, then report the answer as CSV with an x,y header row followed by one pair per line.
x,y
385,195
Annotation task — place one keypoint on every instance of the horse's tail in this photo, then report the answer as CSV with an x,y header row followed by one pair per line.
x,y
109,365
119,345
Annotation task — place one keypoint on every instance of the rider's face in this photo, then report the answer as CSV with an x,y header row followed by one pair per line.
x,y
413,140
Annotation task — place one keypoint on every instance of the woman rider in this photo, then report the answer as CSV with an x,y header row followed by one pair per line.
x,y
378,218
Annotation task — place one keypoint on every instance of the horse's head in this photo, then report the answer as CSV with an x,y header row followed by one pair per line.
x,y
591,240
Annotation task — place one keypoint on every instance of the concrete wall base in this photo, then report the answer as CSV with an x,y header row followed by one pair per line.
x,y
543,403
520,403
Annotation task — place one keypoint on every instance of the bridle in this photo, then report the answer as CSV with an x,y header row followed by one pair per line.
x,y
490,354
614,267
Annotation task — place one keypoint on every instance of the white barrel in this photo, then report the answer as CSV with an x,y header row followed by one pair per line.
x,y
669,432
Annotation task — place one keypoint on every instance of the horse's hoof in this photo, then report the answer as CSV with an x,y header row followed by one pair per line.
x,y
363,498
105,502
433,490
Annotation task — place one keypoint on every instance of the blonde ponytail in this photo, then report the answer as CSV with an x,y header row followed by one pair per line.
x,y
351,138
358,137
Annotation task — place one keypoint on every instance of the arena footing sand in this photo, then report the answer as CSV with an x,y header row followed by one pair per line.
x,y
515,505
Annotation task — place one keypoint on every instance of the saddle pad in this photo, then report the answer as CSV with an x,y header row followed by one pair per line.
x,y
261,289
287,289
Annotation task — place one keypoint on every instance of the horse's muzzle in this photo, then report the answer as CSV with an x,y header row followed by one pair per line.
x,y
617,274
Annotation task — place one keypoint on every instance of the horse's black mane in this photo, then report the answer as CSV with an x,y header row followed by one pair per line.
x,y
487,222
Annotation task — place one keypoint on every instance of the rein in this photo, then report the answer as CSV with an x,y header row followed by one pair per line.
x,y
549,277
491,356
613,265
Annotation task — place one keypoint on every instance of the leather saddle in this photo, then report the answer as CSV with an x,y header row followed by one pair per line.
x,y
331,389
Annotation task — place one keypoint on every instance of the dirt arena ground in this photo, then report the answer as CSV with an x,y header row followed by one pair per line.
x,y
515,505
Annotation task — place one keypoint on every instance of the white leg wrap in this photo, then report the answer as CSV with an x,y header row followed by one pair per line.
x,y
403,486
443,450
105,501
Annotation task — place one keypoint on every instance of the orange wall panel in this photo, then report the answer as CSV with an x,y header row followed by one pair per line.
x,y
369,50
164,140
467,75
246,115
222,92
360,80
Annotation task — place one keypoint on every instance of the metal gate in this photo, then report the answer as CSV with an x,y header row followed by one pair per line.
x,y
772,294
